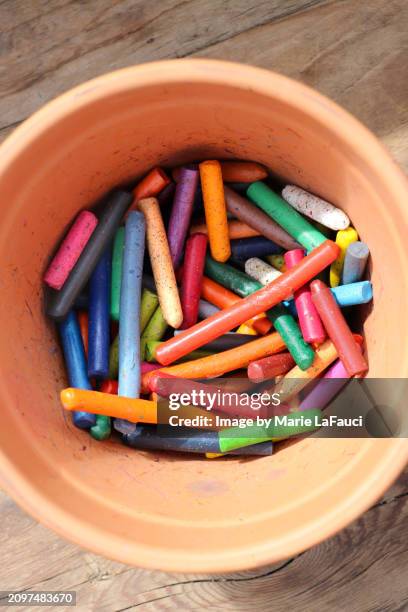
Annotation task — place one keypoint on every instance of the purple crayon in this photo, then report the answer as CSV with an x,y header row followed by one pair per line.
x,y
325,390
181,213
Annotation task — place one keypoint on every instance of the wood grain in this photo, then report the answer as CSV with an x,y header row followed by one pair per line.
x,y
364,568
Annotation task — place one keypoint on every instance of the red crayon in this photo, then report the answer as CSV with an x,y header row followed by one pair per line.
x,y
270,295
309,320
269,367
70,249
109,386
193,268
337,329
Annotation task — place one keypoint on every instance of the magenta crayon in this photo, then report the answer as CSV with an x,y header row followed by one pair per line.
x,y
337,329
181,213
309,321
191,280
70,249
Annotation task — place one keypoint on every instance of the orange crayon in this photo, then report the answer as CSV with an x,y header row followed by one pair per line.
x,y
226,361
83,328
150,185
133,410
215,209
160,259
223,298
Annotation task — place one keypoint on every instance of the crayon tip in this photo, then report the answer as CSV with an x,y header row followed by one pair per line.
x,y
67,398
317,286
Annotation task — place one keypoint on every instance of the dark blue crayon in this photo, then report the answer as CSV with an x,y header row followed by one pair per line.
x,y
168,438
99,319
75,363
257,246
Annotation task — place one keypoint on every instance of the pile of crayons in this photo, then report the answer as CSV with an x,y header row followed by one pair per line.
x,y
239,292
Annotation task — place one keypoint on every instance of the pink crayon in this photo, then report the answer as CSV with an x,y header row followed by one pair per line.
x,y
309,320
70,249
321,395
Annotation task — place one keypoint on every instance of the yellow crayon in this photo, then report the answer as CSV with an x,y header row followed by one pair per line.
x,y
246,329
277,261
343,239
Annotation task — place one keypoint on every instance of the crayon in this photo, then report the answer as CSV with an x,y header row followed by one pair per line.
x,y
353,294
226,361
148,283
327,388
296,379
99,322
205,309
225,342
215,209
149,437
162,266
130,409
343,239
102,429
261,271
277,261
76,364
253,247
210,396
148,305
315,208
309,320
181,213
114,358
230,277
70,249
192,275
283,321
81,301
61,302
236,172
130,295
250,214
235,437
222,298
297,226
151,185
229,318
151,346
355,262
165,196
245,329
337,329
346,295
83,326
236,229
270,367
117,259
155,330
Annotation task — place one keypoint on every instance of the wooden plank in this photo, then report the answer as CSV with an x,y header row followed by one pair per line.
x,y
47,51
354,52
362,569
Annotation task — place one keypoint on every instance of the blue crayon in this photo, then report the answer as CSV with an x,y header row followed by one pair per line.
x,y
75,363
346,295
257,246
355,262
130,295
167,438
99,321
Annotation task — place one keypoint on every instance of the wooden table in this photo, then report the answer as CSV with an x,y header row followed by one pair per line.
x,y
356,52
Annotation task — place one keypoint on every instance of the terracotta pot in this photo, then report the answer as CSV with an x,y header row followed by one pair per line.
x,y
163,511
